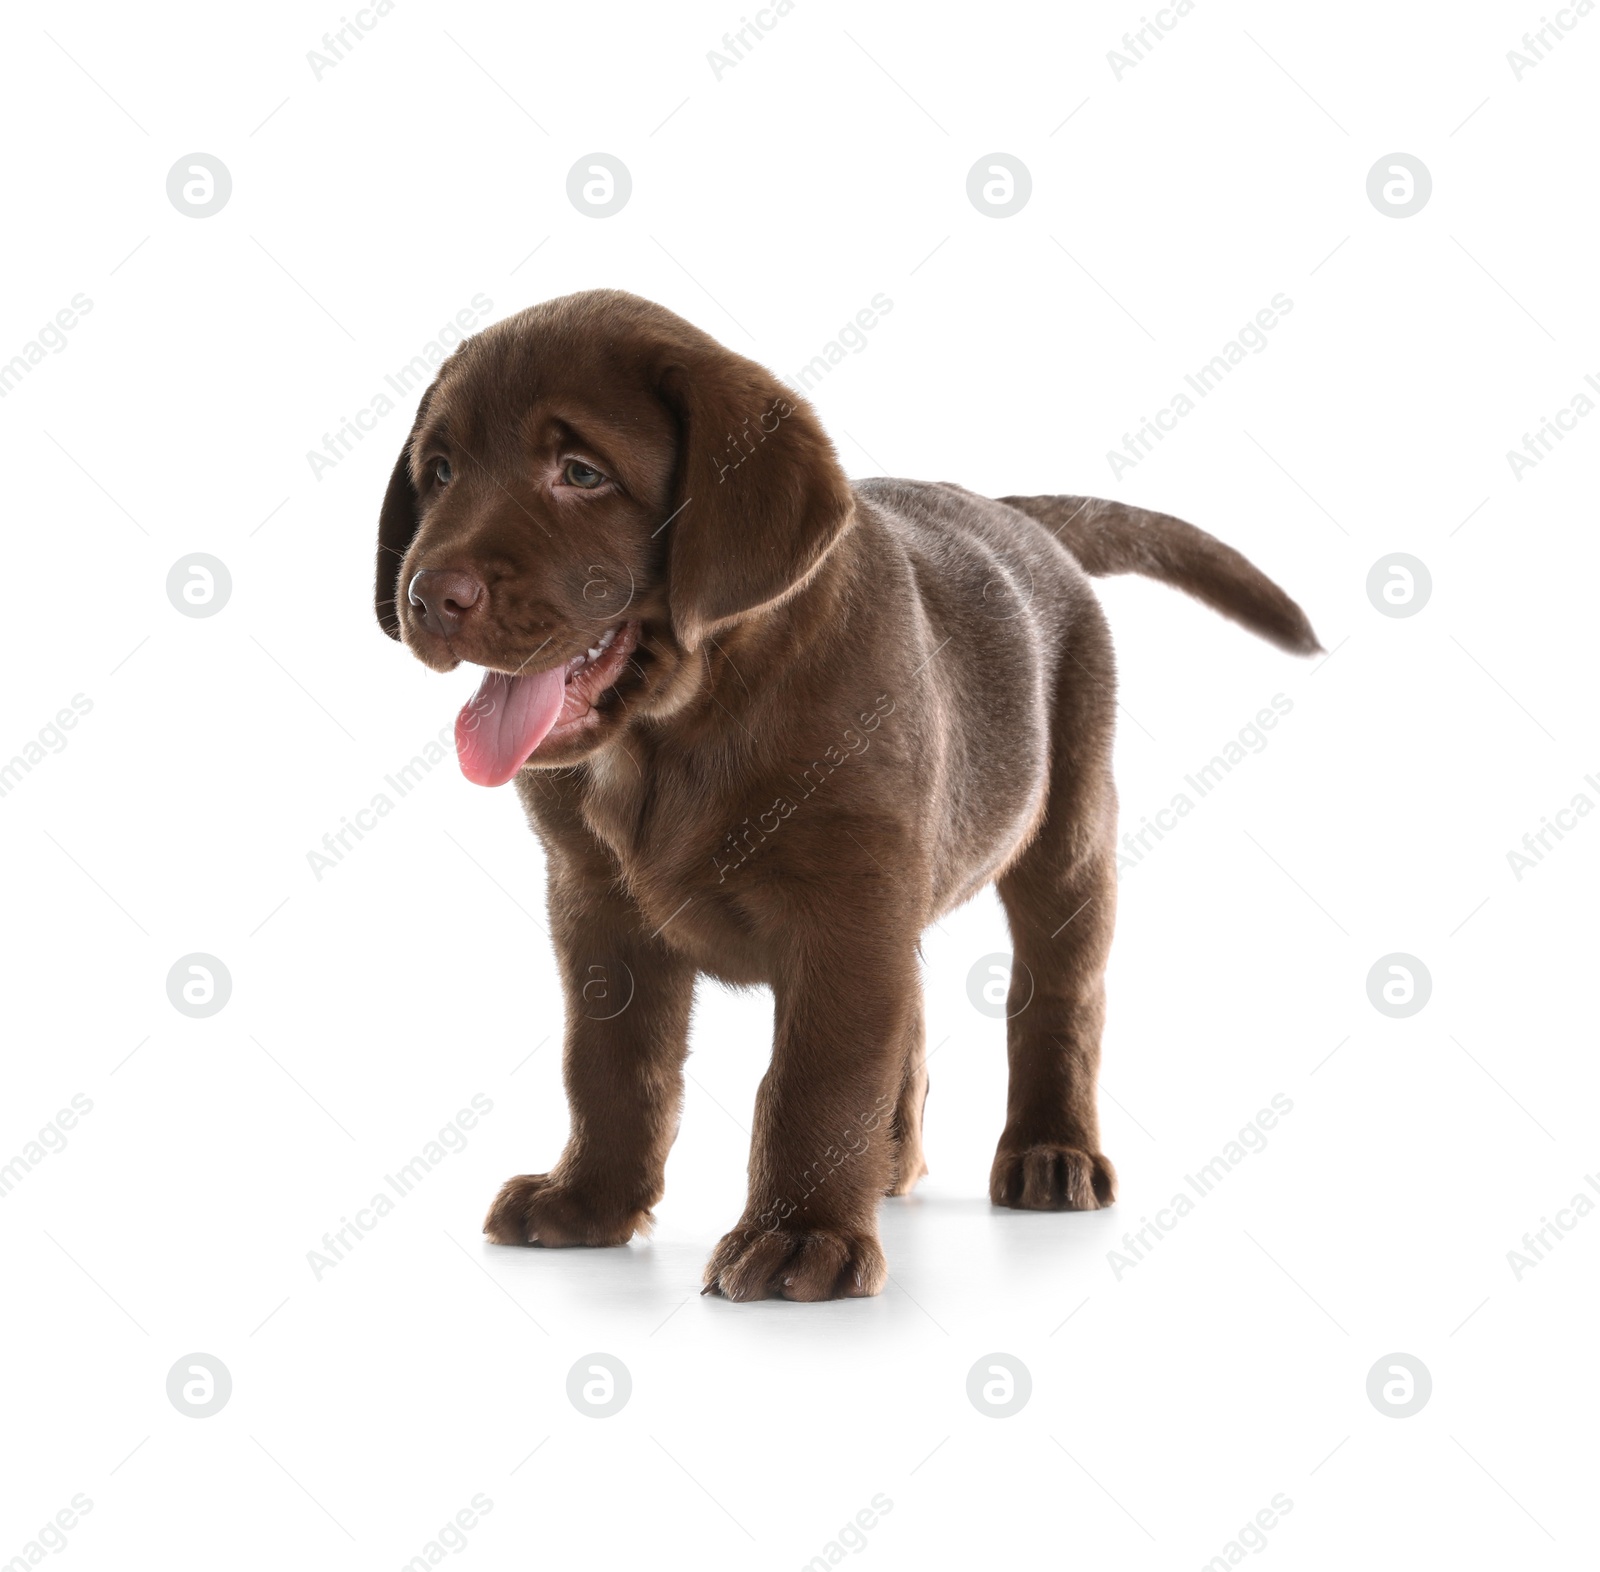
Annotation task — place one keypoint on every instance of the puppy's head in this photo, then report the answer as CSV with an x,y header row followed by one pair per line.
x,y
592,489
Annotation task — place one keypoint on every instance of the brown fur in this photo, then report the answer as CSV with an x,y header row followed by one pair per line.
x,y
851,707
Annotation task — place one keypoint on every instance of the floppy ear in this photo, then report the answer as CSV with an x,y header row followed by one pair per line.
x,y
397,524
759,495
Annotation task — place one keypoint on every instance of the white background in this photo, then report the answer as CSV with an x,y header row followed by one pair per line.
x,y
1168,207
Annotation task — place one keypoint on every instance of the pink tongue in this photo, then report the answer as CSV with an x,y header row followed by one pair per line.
x,y
504,721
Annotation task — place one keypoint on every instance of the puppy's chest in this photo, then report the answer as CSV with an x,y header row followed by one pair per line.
x,y
670,838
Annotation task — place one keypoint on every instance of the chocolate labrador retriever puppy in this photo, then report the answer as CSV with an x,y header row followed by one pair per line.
x,y
769,724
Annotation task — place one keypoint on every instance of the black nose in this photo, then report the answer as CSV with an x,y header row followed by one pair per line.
x,y
445,597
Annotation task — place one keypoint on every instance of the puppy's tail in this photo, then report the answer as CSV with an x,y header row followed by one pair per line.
x,y
1111,537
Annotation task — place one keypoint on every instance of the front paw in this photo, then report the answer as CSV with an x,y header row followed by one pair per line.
x,y
538,1209
796,1263
1046,1178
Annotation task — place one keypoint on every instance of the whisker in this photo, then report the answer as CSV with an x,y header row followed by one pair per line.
x,y
518,671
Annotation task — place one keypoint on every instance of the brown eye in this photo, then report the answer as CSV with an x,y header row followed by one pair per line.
x,y
584,476
441,471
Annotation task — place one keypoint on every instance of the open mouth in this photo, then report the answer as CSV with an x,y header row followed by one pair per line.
x,y
511,717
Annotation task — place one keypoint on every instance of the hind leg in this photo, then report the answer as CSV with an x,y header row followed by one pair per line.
x,y
905,1127
1060,897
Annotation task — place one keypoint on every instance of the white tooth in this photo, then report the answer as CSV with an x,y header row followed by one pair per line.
x,y
594,654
